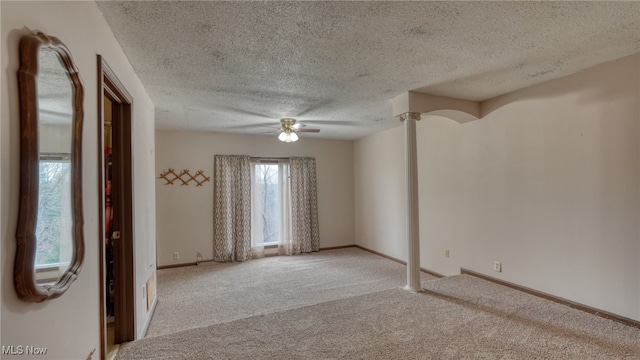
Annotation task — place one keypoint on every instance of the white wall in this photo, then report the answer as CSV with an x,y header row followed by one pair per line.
x,y
380,210
185,213
69,326
547,182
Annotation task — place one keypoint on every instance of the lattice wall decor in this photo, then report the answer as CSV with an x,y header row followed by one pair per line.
x,y
169,175
199,178
185,177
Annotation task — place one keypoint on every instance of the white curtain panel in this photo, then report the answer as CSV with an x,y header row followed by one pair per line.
x,y
257,222
286,241
232,208
304,205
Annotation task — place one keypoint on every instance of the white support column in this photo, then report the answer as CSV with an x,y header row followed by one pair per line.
x,y
413,229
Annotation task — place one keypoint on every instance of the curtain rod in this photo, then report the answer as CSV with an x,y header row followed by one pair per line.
x,y
276,159
257,158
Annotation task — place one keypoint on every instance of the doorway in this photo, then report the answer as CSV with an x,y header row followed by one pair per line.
x,y
117,317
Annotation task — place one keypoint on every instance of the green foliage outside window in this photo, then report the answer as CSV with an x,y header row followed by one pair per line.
x,y
53,200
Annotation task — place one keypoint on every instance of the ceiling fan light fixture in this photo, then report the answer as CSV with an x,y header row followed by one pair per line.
x,y
288,136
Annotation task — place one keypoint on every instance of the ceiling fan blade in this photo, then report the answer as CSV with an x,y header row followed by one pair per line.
x,y
309,130
270,126
249,126
331,122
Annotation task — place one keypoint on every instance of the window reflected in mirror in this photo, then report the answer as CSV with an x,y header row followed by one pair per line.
x,y
53,229
55,115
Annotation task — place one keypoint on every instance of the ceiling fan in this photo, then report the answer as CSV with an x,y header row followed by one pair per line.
x,y
289,127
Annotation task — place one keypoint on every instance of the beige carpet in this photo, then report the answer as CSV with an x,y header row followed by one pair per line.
x,y
460,317
212,293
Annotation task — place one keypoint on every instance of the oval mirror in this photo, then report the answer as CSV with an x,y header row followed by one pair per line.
x,y
50,247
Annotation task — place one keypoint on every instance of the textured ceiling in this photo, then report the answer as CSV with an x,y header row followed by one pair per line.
x,y
236,66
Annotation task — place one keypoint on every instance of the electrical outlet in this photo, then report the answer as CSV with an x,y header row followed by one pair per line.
x,y
497,266
446,253
176,255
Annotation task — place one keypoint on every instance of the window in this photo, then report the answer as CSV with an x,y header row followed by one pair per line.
x,y
269,184
53,231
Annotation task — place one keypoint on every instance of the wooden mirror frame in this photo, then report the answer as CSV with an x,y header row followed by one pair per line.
x,y
24,267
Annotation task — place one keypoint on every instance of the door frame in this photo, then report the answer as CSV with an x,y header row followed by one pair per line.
x,y
124,311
